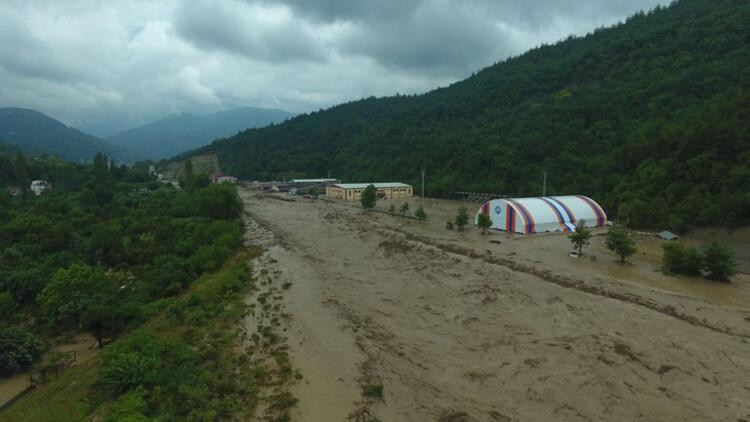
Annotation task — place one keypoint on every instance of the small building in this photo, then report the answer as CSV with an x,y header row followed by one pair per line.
x,y
668,235
543,214
314,182
353,191
39,186
220,178
303,186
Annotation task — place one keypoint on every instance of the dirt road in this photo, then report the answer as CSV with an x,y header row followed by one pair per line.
x,y
460,333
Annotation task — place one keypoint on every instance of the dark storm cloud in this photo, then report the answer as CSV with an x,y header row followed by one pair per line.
x,y
443,39
332,10
455,36
269,33
109,65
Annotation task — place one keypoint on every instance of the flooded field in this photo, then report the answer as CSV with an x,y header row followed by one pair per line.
x,y
401,320
82,345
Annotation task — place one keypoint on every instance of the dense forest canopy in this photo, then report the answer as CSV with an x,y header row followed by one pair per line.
x,y
651,117
100,253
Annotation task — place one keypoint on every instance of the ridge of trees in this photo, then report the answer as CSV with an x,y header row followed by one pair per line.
x,y
651,117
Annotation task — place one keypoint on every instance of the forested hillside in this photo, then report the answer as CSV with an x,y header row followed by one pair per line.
x,y
650,117
181,132
37,133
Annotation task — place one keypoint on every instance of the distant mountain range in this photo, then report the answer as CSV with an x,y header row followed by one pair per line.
x,y
35,132
181,132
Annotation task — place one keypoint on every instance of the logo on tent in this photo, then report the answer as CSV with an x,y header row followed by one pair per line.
x,y
497,209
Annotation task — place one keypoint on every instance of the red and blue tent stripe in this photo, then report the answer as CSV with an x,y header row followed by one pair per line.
x,y
571,216
526,215
557,214
600,217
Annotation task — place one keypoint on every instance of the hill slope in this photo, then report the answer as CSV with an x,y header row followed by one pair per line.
x,y
36,132
650,117
181,132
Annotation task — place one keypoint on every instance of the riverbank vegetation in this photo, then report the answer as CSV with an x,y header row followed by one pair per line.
x,y
142,267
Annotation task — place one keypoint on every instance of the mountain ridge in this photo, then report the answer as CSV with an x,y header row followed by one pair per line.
x,y
180,132
35,132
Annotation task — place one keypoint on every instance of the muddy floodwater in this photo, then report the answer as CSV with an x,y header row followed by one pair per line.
x,y
406,321
84,347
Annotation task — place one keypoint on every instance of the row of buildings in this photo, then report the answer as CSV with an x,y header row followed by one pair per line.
x,y
517,215
353,191
334,189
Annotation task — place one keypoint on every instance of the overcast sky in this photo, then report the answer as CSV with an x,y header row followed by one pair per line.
x,y
108,65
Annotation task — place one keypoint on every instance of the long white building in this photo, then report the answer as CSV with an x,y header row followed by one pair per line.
x,y
543,214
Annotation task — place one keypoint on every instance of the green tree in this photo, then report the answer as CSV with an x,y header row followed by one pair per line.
x,y
404,208
103,190
200,181
420,213
21,173
369,197
18,350
462,218
580,237
718,260
620,241
105,245
83,296
484,222
219,201
680,259
187,181
392,209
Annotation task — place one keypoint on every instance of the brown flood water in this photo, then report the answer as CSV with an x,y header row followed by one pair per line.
x,y
454,327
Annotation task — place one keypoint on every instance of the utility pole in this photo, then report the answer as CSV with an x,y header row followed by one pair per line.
x,y
422,185
544,184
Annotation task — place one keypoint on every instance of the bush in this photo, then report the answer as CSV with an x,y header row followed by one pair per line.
x,y
718,260
219,201
449,225
403,208
130,407
146,361
420,213
373,390
369,197
18,350
620,241
679,259
462,218
484,222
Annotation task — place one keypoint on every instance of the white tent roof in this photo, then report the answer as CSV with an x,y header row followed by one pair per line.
x,y
543,214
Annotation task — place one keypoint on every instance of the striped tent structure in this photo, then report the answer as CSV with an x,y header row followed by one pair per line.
x,y
543,214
